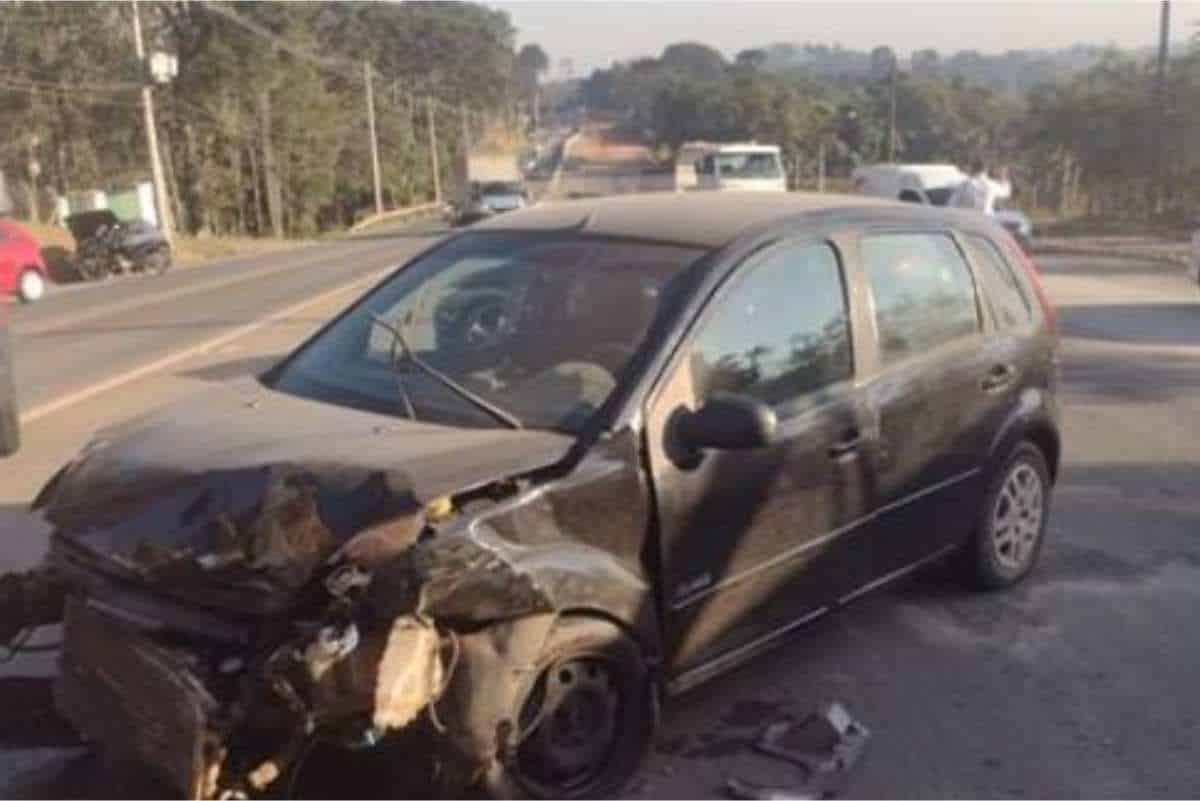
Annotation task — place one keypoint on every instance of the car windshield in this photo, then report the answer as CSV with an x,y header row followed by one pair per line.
x,y
748,165
500,188
542,326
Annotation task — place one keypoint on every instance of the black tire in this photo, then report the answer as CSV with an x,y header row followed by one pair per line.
x,y
92,269
158,262
580,647
1007,540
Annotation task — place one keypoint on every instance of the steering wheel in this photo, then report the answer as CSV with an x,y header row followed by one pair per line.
x,y
480,323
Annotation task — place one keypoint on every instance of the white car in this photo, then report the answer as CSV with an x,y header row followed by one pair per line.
x,y
741,166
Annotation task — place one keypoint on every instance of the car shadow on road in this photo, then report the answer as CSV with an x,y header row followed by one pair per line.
x,y
1101,377
1134,323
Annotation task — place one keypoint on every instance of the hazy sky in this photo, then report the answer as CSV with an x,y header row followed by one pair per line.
x,y
595,32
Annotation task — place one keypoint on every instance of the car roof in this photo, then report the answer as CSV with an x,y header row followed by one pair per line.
x,y
700,218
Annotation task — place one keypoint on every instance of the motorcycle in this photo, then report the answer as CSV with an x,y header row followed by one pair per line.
x,y
107,246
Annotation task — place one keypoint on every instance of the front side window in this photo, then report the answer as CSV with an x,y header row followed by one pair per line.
x,y
780,332
540,325
922,292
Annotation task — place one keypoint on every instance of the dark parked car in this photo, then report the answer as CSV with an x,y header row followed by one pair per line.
x,y
556,468
107,245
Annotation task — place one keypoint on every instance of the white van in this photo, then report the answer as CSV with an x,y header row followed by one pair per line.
x,y
917,183
741,166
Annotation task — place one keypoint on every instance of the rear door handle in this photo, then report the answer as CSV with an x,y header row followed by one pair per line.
x,y
999,377
848,444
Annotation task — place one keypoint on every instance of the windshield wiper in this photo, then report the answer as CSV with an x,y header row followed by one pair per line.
x,y
437,375
395,365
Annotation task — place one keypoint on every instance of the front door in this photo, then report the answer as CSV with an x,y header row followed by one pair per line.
x,y
754,541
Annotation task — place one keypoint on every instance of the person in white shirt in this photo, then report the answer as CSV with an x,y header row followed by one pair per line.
x,y
1194,270
980,192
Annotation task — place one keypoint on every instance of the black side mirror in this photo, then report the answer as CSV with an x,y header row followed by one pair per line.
x,y
727,422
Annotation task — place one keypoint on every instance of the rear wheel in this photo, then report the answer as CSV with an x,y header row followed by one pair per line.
x,y
586,719
1012,525
158,262
31,286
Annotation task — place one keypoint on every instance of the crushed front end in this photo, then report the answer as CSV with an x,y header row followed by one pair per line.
x,y
218,655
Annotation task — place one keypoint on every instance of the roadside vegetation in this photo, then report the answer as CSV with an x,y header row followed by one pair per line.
x,y
263,132
1077,128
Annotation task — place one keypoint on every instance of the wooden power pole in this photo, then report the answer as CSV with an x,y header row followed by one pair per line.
x,y
1160,101
433,152
892,113
270,171
374,140
156,170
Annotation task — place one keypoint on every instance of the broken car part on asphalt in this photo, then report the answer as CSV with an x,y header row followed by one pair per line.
x,y
824,745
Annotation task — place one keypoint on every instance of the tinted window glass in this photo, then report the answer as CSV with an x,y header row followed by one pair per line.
x,y
781,331
922,292
1005,294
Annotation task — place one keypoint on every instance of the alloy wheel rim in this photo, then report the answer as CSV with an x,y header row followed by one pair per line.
x,y
1017,517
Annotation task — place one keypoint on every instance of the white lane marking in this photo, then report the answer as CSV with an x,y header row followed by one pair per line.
x,y
80,395
58,323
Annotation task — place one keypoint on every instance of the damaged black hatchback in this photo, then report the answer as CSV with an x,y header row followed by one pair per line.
x,y
558,466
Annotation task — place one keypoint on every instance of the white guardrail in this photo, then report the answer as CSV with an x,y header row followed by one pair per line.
x,y
400,215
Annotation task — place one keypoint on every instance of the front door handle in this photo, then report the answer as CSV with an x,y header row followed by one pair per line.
x,y
849,443
999,377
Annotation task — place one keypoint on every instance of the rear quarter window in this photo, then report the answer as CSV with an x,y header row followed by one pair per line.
x,y
921,290
1006,295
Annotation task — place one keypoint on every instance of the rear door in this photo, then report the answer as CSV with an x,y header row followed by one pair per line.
x,y
930,394
752,541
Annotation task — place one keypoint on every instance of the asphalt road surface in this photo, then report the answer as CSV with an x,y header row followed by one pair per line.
x,y
1080,682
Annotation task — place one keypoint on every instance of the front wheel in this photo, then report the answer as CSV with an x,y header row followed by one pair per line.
x,y
586,719
1012,525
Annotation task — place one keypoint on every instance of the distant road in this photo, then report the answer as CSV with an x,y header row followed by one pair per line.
x,y
82,336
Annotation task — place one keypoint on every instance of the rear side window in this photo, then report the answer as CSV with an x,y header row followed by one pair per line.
x,y
780,332
1010,305
922,293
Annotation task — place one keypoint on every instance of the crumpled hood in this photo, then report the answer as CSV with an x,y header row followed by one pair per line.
x,y
253,481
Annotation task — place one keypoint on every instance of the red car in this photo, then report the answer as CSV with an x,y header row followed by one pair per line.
x,y
22,270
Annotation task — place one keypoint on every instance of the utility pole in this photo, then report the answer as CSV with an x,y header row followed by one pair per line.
x,y
374,140
892,113
466,127
270,172
35,170
821,165
156,170
433,153
1160,91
